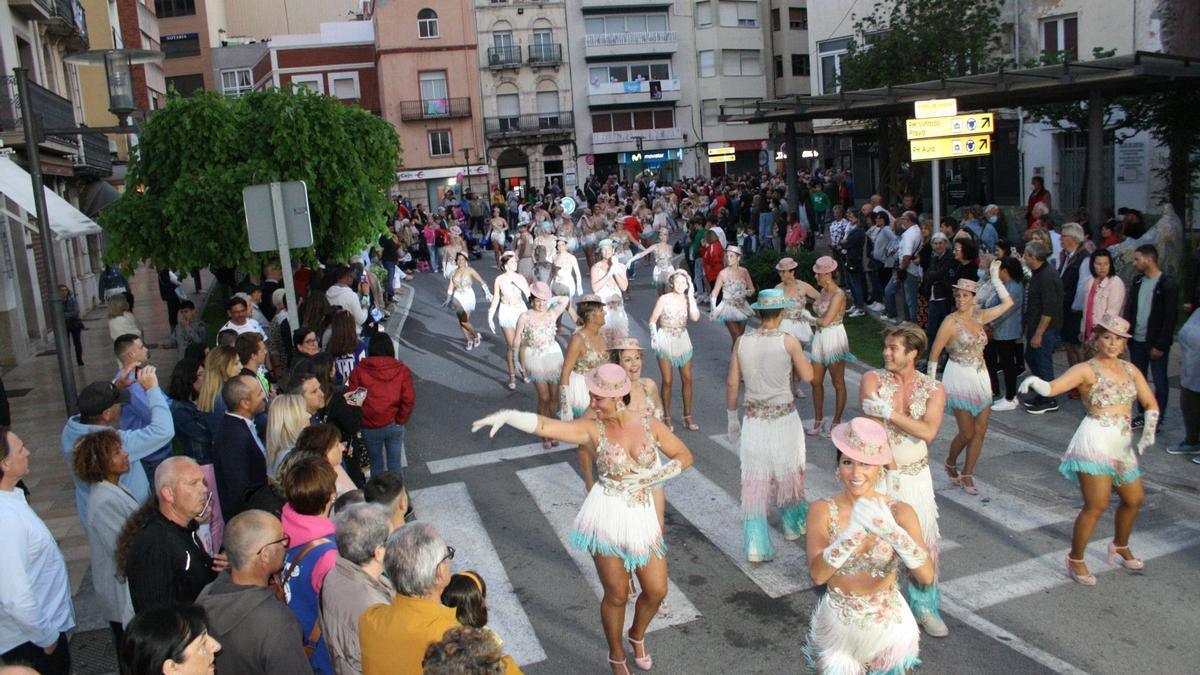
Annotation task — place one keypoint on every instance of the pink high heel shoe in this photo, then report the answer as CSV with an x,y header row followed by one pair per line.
x,y
642,662
1083,579
1114,557
624,665
970,488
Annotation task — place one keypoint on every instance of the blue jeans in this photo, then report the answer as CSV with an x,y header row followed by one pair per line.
x,y
435,258
1152,369
1041,359
765,236
909,287
858,283
389,439
391,280
698,275
937,312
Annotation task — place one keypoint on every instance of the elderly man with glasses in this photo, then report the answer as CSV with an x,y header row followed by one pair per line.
x,y
394,637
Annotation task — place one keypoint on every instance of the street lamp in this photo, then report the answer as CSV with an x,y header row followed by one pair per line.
x,y
466,171
117,63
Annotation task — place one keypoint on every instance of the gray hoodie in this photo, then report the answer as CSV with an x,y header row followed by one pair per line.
x,y
257,632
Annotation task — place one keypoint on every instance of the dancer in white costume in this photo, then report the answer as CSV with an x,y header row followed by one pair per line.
x,y
617,523
451,250
460,297
523,245
510,294
586,351
609,282
911,406
664,259
968,389
734,286
799,292
1100,456
543,251
671,343
771,442
830,346
541,357
499,233
856,540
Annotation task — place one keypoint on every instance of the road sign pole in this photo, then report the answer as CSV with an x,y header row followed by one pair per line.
x,y
285,256
937,194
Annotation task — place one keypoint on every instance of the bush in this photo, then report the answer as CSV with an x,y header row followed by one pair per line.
x,y
761,265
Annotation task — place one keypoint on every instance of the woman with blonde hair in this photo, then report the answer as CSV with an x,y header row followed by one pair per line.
x,y
287,417
120,318
221,364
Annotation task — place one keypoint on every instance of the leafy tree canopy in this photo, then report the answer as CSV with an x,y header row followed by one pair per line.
x,y
197,153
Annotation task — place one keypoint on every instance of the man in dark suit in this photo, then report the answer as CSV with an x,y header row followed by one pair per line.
x,y
239,459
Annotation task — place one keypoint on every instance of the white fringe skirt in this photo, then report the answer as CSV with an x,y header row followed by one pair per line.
x,y
616,321
852,634
660,275
913,485
448,269
967,387
508,313
577,394
625,527
801,330
563,285
1102,446
830,345
732,309
544,364
773,458
672,344
498,237
464,301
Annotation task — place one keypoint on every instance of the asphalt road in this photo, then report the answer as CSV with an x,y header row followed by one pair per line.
x,y
505,505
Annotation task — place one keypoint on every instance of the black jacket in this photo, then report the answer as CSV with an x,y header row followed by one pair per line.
x,y
1164,311
239,464
940,276
852,248
166,564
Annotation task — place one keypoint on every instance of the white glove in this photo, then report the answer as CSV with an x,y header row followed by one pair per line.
x,y
1149,429
641,480
877,407
994,272
874,516
734,425
932,369
446,302
487,294
1035,383
808,316
492,323
712,303
839,550
565,413
524,421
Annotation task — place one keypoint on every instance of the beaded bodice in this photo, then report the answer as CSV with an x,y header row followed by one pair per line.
x,y
590,359
1107,392
967,346
540,330
512,294
674,315
793,293
889,385
734,289
462,282
661,259
821,305
614,460
879,560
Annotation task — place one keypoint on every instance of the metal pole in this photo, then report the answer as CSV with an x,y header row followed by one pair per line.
x,y
936,177
285,256
50,281
791,156
1095,165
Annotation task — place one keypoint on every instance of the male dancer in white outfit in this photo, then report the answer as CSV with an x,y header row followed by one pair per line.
x,y
910,405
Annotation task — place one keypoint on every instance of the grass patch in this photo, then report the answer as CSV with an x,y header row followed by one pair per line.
x,y
214,312
865,339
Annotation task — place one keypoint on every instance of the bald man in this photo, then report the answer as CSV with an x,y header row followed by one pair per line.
x,y
239,459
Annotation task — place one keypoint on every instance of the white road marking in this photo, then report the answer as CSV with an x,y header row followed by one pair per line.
x,y
558,492
718,516
449,509
492,457
950,606
984,589
996,505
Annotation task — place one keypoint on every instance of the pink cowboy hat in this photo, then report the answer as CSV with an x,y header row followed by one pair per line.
x,y
863,440
609,381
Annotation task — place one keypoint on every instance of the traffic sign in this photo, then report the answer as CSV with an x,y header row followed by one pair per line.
x,y
934,127
717,159
726,150
943,148
938,107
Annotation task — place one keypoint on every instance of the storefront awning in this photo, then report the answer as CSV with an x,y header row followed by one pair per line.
x,y
66,221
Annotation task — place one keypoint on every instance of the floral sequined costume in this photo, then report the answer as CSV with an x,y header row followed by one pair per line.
x,y
512,305
733,306
463,297
671,341
857,634
662,268
912,483
966,378
577,392
616,321
793,320
543,356
830,344
772,447
1102,445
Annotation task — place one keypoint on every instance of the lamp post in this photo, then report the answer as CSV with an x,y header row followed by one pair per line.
x,y
466,171
117,63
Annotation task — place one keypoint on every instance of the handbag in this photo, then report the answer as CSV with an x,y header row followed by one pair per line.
x,y
314,635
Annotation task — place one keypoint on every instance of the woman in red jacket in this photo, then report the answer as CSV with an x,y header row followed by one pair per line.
x,y
713,257
388,404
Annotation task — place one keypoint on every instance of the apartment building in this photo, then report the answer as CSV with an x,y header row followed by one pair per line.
x,y
527,93
428,64
261,19
189,30
791,67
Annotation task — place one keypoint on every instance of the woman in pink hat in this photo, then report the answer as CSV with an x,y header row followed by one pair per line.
x,y
857,540
541,357
799,292
830,347
671,343
968,387
587,350
1100,456
460,296
510,289
617,523
734,286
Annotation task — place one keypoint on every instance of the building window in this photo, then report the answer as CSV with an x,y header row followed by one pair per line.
x,y
236,82
315,83
508,109
629,72
439,143
1060,34
778,66
181,45
184,85
831,53
800,65
775,19
737,62
166,9
704,14
547,109
630,120
710,112
707,63
613,24
434,94
427,26
741,14
344,86
798,18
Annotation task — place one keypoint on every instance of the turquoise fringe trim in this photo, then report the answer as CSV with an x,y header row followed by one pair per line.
x,y
578,412
679,362
846,356
593,546
535,378
756,539
724,320
952,404
909,664
924,599
1073,466
795,519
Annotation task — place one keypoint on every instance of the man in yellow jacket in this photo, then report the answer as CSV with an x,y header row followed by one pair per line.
x,y
394,637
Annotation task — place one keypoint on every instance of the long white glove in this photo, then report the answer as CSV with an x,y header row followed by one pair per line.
x,y
1035,383
994,272
734,425
641,480
932,369
524,421
839,550
565,413
875,517
1149,429
487,293
877,407
808,316
492,323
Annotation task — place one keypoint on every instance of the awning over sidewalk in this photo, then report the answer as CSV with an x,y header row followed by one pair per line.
x,y
66,221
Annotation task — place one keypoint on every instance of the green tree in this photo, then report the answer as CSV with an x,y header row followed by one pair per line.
x,y
197,153
1171,118
915,41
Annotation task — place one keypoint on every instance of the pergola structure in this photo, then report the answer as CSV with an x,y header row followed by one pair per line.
x,y
1094,81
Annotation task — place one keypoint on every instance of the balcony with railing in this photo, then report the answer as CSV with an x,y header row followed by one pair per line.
x,y
54,111
68,21
96,156
32,9
537,124
610,93
621,44
633,135
504,56
545,54
435,109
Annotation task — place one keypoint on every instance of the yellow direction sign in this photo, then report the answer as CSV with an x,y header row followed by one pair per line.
x,y
935,127
943,148
718,159
727,150
938,107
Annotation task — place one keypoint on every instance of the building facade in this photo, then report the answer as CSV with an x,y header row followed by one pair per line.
x,y
527,95
791,67
428,65
189,30
260,19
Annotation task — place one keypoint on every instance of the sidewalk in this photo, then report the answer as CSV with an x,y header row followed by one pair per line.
x,y
38,414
